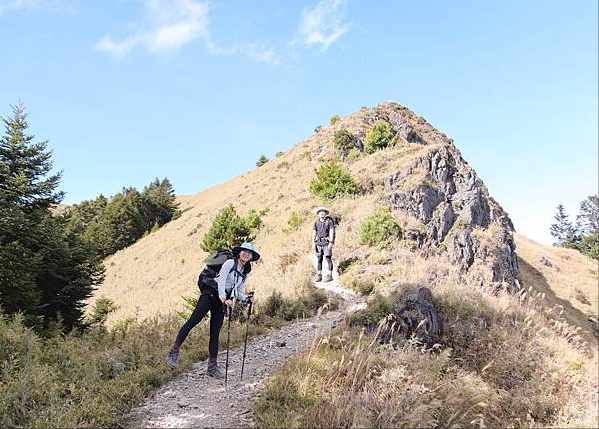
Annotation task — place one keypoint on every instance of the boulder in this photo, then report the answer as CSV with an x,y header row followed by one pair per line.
x,y
414,316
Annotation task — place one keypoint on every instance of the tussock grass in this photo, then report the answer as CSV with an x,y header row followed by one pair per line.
x,y
93,378
504,361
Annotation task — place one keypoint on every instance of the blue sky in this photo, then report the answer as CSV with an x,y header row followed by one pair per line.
x,y
193,90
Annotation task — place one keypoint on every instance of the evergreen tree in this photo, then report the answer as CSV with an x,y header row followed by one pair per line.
x,y
159,203
261,161
45,271
69,271
562,229
227,230
587,225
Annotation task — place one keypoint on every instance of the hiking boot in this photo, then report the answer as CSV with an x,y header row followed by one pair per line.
x,y
214,371
328,278
318,277
172,358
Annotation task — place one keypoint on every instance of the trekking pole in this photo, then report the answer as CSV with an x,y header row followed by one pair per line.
x,y
247,328
228,339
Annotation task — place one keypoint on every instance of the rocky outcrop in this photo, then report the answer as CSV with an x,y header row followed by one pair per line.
x,y
414,316
452,202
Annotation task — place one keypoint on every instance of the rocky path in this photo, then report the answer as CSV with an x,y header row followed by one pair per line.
x,y
196,400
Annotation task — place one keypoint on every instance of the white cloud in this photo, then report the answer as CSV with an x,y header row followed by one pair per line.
x,y
323,24
170,24
167,25
31,6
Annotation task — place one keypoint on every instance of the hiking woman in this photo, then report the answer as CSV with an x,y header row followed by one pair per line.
x,y
217,296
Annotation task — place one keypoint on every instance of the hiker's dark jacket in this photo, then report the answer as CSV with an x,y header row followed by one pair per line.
x,y
325,231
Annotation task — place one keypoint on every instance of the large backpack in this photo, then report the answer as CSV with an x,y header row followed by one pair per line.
x,y
207,279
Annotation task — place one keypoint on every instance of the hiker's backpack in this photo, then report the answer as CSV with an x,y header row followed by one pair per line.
x,y
214,263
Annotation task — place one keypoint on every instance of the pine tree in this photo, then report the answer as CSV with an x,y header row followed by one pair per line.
x,y
562,230
227,230
159,203
261,161
587,225
45,269
23,181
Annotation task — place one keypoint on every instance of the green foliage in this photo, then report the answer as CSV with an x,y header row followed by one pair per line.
x,y
305,303
113,224
354,154
377,309
332,181
334,119
46,269
378,136
100,311
587,225
584,236
294,222
562,230
279,154
261,161
229,230
253,220
379,228
344,142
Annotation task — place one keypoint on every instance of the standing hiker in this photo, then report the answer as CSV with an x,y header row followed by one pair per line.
x,y
230,283
323,238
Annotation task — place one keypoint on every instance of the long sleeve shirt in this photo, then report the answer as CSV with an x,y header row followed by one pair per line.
x,y
231,282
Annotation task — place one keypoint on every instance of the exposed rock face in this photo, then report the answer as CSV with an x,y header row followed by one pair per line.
x,y
415,315
452,202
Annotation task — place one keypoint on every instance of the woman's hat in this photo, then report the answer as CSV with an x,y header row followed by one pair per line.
x,y
249,247
321,209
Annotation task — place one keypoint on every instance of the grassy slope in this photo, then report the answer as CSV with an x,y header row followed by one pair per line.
x,y
149,277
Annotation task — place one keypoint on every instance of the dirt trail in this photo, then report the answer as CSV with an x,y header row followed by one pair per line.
x,y
197,400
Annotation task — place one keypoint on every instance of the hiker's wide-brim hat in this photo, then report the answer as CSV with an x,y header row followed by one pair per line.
x,y
321,209
248,247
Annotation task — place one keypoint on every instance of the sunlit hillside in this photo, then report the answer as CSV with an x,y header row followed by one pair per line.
x,y
150,277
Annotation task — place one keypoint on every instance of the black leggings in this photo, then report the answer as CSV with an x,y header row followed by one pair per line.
x,y
217,314
329,262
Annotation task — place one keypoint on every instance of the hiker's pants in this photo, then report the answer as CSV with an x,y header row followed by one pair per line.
x,y
324,251
206,302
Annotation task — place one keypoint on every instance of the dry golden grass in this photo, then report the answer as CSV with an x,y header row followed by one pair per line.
x,y
150,277
507,361
570,281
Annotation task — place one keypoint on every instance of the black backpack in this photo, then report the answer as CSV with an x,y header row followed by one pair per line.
x,y
207,279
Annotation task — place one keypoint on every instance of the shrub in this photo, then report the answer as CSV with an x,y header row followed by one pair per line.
x,y
261,161
332,181
229,230
253,221
354,154
379,228
100,311
345,141
376,310
293,222
305,303
379,136
279,154
334,119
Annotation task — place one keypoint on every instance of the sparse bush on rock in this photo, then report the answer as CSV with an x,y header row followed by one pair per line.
x,y
379,228
378,136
